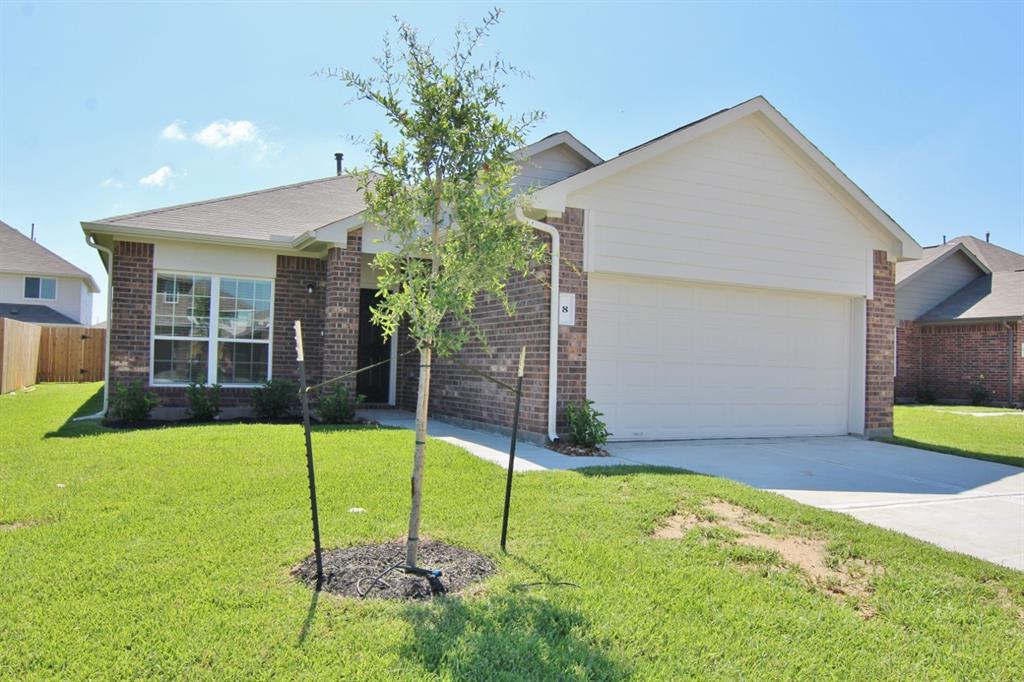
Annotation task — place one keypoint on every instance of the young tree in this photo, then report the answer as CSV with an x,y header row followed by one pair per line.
x,y
442,190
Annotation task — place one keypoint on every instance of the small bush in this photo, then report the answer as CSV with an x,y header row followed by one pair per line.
x,y
203,401
275,399
585,426
338,406
132,403
924,393
979,394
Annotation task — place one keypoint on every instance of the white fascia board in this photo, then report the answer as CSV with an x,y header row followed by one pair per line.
x,y
553,198
334,233
276,244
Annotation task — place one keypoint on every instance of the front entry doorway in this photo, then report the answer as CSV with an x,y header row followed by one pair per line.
x,y
375,384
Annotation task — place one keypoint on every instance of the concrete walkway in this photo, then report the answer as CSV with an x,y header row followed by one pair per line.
x,y
964,505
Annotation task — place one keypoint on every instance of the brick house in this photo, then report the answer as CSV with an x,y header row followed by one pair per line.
x,y
722,280
960,320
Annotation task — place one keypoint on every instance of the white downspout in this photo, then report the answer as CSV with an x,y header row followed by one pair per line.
x,y
91,241
553,340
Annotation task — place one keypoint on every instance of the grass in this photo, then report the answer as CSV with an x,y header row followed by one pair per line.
x,y
166,553
946,428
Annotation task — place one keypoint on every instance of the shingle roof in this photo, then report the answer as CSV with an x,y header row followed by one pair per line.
x,y
999,295
275,214
995,258
36,314
20,254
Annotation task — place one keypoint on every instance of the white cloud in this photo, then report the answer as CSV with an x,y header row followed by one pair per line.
x,y
227,133
157,178
173,132
112,183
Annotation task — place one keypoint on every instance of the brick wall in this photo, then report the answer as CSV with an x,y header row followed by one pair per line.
x,y
341,310
130,316
292,301
955,355
908,360
880,334
456,392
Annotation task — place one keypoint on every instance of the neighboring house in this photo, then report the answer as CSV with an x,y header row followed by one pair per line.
x,y
960,315
37,285
721,280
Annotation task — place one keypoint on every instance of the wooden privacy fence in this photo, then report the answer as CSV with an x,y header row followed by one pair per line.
x,y
71,354
19,354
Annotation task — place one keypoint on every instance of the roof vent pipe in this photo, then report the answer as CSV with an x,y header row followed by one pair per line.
x,y
943,239
986,236
338,156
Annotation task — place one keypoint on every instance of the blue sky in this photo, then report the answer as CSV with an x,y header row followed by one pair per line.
x,y
921,104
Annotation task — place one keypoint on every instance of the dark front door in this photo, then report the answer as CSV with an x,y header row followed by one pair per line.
x,y
375,383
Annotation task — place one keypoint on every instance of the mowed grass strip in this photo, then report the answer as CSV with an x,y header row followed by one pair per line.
x,y
954,429
166,553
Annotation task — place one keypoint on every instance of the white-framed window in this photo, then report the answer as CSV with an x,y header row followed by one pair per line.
x,y
211,329
43,288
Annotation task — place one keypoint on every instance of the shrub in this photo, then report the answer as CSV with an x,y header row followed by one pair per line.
x,y
203,401
275,399
132,403
979,394
924,393
585,426
338,406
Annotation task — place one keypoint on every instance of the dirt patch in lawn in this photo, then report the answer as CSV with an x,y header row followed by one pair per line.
x,y
846,580
6,526
371,571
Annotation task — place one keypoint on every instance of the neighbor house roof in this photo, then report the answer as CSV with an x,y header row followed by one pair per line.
x,y
36,314
278,214
19,254
932,255
995,296
555,139
553,198
995,258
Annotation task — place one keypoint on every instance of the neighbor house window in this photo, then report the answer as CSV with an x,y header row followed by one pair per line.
x,y
41,287
211,329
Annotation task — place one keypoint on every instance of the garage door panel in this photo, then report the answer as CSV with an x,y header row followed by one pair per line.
x,y
679,360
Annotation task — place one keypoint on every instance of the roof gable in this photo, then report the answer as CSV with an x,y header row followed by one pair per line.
x,y
21,255
933,257
995,258
553,198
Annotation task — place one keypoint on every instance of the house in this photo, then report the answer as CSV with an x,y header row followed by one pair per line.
x,y
38,286
960,317
725,279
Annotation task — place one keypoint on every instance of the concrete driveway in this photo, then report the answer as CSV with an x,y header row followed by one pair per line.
x,y
964,505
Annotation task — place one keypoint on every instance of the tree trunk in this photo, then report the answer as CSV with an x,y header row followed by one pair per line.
x,y
422,399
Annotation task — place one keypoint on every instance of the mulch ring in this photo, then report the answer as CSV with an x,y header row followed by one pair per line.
x,y
566,448
357,571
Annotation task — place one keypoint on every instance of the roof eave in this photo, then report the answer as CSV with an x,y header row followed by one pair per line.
x,y
284,244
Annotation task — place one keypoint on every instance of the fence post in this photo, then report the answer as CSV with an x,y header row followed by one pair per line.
x,y
309,452
512,447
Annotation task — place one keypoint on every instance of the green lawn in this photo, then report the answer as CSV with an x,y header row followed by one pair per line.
x,y
166,553
946,428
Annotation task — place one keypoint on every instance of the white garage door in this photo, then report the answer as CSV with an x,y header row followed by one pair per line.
x,y
680,360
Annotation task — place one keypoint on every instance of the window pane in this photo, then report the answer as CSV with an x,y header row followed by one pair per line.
x,y
244,309
48,288
31,287
242,363
179,361
182,305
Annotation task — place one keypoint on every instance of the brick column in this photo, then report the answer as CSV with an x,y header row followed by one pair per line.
x,y
292,301
880,330
341,315
572,341
130,313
